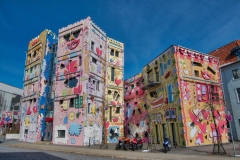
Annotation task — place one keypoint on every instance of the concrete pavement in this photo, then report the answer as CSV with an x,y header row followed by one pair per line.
x,y
203,152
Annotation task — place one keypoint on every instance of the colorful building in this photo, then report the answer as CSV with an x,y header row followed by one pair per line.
x,y
37,100
183,92
81,81
113,113
10,105
136,118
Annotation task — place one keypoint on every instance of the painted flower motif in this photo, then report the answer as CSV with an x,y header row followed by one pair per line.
x,y
71,116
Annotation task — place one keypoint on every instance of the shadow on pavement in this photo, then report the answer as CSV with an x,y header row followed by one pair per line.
x,y
28,156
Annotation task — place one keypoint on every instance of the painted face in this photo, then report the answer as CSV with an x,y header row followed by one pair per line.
x,y
73,43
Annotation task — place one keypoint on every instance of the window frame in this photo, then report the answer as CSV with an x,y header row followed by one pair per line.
x,y
236,74
238,94
61,135
112,52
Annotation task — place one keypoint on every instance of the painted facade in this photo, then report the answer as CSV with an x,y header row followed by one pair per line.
x,y
37,102
81,72
180,85
114,91
136,120
10,104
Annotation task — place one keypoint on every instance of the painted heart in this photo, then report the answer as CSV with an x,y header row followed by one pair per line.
x,y
107,124
203,127
118,81
78,89
28,111
34,109
99,52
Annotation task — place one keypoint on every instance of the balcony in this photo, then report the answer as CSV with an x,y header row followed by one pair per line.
x,y
151,84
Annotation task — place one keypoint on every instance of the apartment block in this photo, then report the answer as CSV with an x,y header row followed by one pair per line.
x,y
37,100
82,69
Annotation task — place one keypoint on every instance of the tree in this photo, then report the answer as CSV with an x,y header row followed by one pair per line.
x,y
217,147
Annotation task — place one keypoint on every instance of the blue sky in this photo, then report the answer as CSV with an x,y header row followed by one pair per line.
x,y
146,27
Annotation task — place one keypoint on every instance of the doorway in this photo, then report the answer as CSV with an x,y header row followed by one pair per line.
x,y
173,133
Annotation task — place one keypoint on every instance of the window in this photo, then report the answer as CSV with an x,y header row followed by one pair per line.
x,y
214,93
153,94
238,94
89,80
97,87
116,53
118,110
26,131
61,133
80,60
132,86
145,106
34,54
133,113
196,73
110,114
89,108
149,77
157,74
197,64
71,102
66,37
92,46
211,70
31,69
109,92
126,89
93,82
62,66
138,83
115,94
139,110
101,46
117,98
112,52
170,93
94,60
236,73
202,94
112,74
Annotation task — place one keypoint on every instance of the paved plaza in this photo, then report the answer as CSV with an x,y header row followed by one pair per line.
x,y
13,149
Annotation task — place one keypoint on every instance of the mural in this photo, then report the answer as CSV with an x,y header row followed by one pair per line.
x,y
114,109
162,96
136,120
36,103
200,86
180,86
80,89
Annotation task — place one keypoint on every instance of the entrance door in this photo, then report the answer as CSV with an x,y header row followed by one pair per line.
x,y
173,133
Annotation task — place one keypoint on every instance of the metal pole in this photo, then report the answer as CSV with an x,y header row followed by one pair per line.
x,y
234,151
